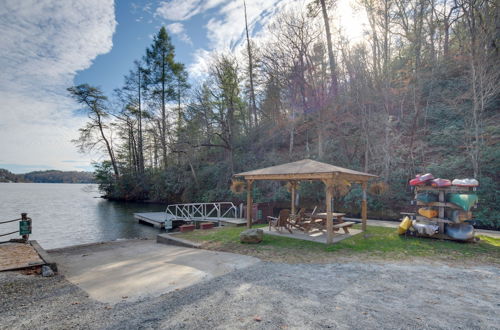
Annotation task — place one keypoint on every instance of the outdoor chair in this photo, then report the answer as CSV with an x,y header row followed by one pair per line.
x,y
301,221
282,221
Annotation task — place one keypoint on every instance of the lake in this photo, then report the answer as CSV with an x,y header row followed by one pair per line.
x,y
70,214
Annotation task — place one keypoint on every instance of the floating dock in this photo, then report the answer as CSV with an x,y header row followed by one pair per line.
x,y
222,213
164,220
157,219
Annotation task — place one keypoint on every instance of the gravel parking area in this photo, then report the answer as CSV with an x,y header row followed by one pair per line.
x,y
270,295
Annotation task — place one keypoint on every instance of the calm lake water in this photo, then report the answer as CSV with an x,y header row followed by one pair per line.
x,y
70,214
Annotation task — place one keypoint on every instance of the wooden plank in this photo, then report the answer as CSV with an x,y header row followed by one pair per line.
x,y
421,218
344,224
445,189
17,256
443,204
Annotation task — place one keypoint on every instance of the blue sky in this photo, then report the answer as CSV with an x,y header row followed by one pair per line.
x,y
137,23
47,46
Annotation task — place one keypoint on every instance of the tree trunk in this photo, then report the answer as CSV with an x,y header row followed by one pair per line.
x,y
163,128
331,58
250,69
108,145
139,124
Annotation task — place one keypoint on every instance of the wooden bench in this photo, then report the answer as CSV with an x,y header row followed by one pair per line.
x,y
344,226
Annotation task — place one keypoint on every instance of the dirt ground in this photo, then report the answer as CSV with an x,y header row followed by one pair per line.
x,y
272,295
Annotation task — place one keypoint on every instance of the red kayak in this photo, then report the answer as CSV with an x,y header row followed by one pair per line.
x,y
421,180
441,182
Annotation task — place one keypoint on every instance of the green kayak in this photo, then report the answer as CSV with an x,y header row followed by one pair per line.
x,y
465,201
426,197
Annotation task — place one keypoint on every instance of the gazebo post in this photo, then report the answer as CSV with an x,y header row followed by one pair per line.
x,y
249,203
329,215
293,185
363,207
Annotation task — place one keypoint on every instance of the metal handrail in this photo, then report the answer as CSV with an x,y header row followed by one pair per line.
x,y
24,217
189,211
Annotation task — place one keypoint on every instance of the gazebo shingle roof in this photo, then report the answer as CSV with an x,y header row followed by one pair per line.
x,y
307,168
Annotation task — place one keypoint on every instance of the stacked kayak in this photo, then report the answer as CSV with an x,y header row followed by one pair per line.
x,y
458,216
421,179
429,180
426,197
465,182
461,231
465,201
428,212
444,208
440,183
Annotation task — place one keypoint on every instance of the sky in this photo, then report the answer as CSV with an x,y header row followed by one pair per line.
x,y
47,46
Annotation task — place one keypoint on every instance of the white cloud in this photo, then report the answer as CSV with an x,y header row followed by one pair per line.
x,y
178,30
42,46
199,67
181,10
226,27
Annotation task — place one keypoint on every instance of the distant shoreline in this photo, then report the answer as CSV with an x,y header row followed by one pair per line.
x,y
49,176
50,182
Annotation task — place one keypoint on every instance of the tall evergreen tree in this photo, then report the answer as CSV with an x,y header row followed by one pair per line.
x,y
164,76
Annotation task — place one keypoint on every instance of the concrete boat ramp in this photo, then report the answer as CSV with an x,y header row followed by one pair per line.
x,y
132,270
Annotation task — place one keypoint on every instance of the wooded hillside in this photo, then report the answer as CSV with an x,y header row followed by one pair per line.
x,y
419,94
50,176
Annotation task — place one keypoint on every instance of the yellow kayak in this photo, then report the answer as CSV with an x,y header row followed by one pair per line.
x,y
404,225
427,212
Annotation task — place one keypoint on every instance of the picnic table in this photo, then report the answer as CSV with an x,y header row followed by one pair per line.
x,y
338,221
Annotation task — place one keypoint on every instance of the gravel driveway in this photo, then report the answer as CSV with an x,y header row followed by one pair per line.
x,y
274,296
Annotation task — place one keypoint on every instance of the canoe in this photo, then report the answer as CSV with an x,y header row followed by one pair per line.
x,y
426,197
461,232
428,212
465,201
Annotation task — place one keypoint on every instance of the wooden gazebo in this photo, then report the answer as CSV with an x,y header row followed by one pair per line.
x,y
308,169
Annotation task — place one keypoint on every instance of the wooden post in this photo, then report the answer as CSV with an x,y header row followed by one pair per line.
x,y
441,211
363,208
329,215
249,203
293,184
24,217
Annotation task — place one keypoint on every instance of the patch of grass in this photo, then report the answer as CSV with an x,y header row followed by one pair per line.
x,y
377,241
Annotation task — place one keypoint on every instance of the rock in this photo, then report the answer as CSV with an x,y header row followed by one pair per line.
x,y
47,271
251,236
